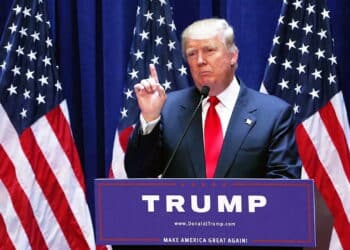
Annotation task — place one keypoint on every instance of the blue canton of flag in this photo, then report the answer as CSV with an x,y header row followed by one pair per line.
x,y
29,83
42,190
154,42
302,70
302,64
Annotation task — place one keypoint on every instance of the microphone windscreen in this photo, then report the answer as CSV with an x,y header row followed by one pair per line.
x,y
205,91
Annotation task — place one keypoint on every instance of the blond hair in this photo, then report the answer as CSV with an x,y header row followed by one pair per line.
x,y
208,28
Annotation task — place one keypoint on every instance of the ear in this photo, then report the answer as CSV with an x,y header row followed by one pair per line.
x,y
234,57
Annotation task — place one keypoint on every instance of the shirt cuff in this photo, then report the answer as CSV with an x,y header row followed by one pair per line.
x,y
147,127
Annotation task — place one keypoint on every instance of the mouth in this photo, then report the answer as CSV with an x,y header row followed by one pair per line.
x,y
204,73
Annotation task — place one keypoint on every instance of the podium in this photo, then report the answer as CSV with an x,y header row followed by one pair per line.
x,y
208,212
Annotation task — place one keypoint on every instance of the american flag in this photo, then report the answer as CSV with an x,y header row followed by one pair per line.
x,y
302,70
42,190
154,42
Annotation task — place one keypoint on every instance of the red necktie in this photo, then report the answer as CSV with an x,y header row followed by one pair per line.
x,y
213,137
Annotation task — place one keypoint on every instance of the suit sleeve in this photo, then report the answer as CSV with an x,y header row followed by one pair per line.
x,y
143,158
283,159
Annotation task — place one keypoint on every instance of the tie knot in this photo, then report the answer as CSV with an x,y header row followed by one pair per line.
x,y
213,100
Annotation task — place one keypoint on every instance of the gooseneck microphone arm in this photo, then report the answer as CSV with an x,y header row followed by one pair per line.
x,y
204,93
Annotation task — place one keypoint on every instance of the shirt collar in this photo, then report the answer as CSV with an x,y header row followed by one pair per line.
x,y
228,97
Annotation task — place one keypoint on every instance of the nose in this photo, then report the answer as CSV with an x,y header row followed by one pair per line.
x,y
200,59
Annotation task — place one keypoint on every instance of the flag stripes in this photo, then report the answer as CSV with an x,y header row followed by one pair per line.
x,y
318,142
6,242
57,119
52,189
59,187
21,203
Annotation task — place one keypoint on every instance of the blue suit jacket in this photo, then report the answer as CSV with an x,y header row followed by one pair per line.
x,y
259,141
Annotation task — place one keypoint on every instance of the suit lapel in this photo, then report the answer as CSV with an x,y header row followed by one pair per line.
x,y
193,141
241,122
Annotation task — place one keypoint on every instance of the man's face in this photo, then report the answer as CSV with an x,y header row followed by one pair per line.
x,y
210,63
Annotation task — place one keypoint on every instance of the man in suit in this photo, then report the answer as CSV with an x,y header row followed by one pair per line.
x,y
252,135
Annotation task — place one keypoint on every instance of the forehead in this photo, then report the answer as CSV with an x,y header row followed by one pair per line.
x,y
198,43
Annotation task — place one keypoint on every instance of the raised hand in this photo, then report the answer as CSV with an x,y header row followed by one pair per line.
x,y
150,95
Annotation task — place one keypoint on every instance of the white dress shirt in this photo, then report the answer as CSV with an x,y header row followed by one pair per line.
x,y
227,103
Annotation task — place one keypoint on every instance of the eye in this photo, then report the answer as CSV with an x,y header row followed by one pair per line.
x,y
190,54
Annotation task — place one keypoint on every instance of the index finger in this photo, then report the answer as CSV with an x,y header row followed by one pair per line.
x,y
153,72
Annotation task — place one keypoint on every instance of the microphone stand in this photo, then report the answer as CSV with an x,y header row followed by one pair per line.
x,y
204,93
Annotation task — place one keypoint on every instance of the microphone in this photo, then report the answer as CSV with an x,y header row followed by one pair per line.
x,y
204,93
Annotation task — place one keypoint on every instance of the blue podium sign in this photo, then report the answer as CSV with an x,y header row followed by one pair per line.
x,y
220,212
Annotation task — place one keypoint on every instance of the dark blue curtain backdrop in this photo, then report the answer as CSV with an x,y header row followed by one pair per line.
x,y
92,39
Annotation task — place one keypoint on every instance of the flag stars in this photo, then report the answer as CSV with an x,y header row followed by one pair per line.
x,y
58,85
182,70
331,79
148,15
291,44
320,54
169,65
162,2
40,99
304,49
26,94
13,28
144,35
310,9
158,40
314,93
296,109
171,45
283,84
23,113
161,20
43,80
23,32
32,55
38,17
48,42
124,112
29,74
166,85
12,90
297,89
172,26
46,61
272,59
8,46
308,29
325,14
333,59
139,54
26,12
301,68
35,36
293,24
155,60
280,20
16,70
287,64
138,10
19,50
128,93
317,74
133,74
276,40
297,4
3,65
17,9
322,34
